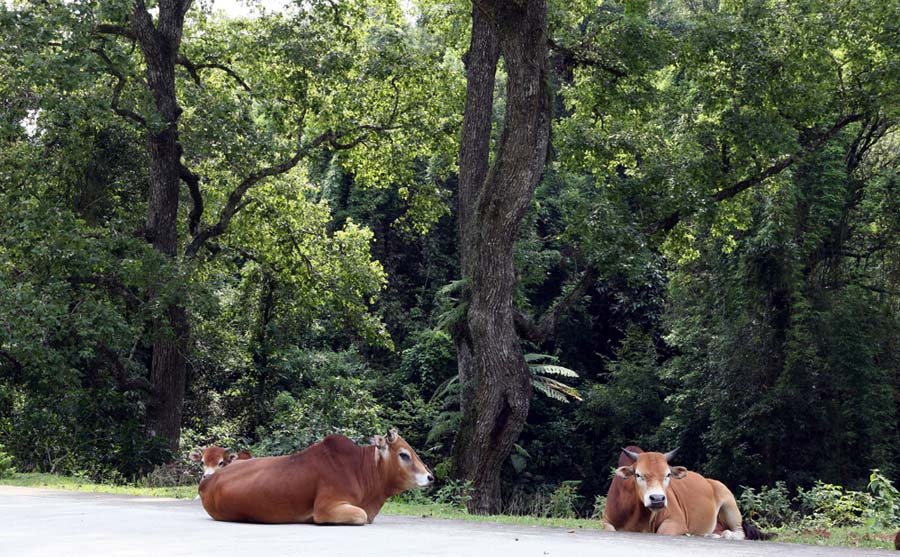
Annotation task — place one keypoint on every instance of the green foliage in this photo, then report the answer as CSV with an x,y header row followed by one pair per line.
x,y
598,507
887,498
770,507
827,504
455,493
823,505
6,464
564,500
337,401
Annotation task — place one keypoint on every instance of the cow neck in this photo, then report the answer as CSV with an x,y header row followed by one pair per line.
x,y
376,475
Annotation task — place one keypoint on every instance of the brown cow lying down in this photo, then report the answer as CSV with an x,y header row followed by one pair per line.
x,y
648,495
214,458
334,481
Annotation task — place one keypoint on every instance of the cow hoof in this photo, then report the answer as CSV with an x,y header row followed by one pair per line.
x,y
733,534
712,536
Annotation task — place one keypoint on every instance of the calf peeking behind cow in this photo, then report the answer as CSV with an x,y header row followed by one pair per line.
x,y
213,458
649,495
334,481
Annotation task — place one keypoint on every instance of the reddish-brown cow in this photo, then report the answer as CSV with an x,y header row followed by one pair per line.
x,y
650,496
214,458
334,481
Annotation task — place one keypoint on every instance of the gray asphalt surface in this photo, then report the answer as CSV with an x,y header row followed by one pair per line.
x,y
60,523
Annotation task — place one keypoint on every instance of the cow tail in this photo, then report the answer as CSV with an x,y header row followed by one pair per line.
x,y
751,532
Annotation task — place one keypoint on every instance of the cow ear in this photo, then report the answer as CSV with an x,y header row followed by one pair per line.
x,y
625,471
378,441
392,435
232,457
195,456
679,472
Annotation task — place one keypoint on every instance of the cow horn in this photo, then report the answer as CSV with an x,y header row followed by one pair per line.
x,y
671,454
632,455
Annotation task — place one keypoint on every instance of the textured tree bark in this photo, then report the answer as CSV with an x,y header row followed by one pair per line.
x,y
496,379
160,44
481,68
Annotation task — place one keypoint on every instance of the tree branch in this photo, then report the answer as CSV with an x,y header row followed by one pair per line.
x,y
572,56
118,371
121,80
669,222
538,332
112,29
193,182
234,202
194,70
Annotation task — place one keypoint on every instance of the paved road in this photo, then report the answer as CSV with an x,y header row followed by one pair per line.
x,y
60,524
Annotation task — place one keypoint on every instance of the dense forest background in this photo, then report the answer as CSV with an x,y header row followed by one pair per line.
x,y
713,246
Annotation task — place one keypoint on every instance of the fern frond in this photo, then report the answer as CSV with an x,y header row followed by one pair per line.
x,y
548,369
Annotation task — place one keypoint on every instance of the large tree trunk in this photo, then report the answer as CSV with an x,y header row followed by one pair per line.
x,y
497,383
481,69
159,45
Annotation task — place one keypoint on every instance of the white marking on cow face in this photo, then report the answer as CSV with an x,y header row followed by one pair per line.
x,y
652,475
424,480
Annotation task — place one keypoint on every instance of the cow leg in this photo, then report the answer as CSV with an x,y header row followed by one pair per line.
x,y
670,527
339,513
729,514
608,527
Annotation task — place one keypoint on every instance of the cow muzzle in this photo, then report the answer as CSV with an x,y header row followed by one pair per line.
x,y
655,501
424,480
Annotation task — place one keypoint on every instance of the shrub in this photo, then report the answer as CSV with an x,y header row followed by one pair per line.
x,y
599,506
455,493
564,500
6,464
887,499
770,507
826,505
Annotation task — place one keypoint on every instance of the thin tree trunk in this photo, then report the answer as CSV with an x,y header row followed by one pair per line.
x,y
500,380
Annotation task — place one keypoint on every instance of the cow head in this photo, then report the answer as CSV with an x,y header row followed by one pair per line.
x,y
403,465
214,458
652,474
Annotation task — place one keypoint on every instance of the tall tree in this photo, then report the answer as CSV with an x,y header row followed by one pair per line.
x,y
493,199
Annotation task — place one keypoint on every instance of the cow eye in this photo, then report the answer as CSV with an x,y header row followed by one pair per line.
x,y
404,457
221,463
638,476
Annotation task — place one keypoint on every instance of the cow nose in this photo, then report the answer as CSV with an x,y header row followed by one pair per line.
x,y
205,476
657,499
430,478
